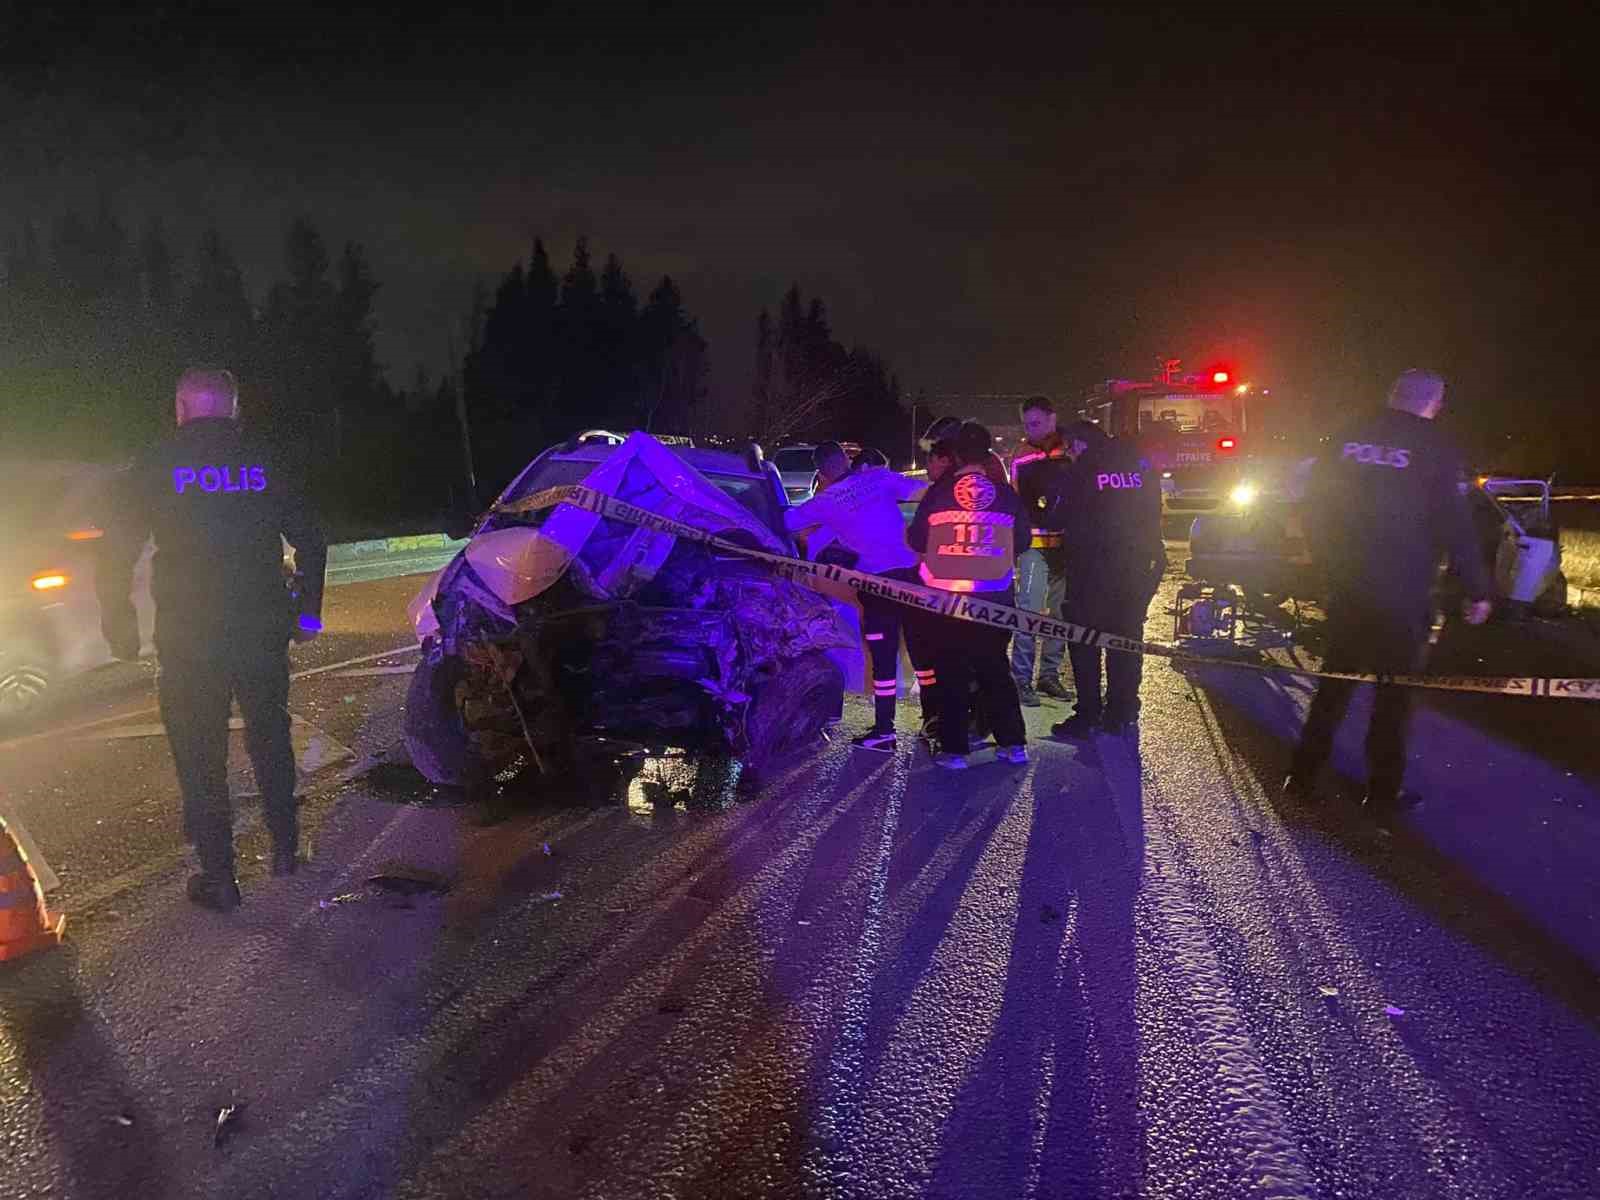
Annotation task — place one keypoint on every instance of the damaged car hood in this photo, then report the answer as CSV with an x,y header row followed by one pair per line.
x,y
517,557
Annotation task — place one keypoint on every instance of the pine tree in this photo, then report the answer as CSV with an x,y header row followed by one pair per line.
x,y
578,400
218,324
159,270
538,365
618,348
766,348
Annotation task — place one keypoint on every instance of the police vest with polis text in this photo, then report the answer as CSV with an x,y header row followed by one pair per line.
x,y
1110,512
218,507
1385,503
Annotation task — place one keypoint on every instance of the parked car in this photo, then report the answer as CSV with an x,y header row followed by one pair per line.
x,y
50,528
798,470
556,629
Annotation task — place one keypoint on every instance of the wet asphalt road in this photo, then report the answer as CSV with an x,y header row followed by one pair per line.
x,y
1124,970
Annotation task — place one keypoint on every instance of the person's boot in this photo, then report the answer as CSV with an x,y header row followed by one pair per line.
x,y
284,860
1386,805
1078,727
1026,695
1054,689
881,740
219,893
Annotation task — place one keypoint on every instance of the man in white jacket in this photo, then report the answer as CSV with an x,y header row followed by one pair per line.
x,y
860,509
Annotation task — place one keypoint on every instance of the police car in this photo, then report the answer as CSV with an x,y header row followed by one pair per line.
x,y
561,632
50,529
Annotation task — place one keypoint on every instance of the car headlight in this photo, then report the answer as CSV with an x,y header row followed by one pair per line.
x,y
1243,495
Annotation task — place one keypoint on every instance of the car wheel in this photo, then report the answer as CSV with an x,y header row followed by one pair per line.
x,y
435,736
25,678
789,711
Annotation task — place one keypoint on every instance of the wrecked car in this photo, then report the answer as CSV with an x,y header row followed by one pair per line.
x,y
556,630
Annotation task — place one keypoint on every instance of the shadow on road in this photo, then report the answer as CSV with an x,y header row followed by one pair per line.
x,y
1059,1074
1491,900
100,1133
596,1033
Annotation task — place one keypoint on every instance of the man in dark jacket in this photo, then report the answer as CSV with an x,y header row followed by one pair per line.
x,y
218,508
966,531
1109,512
1385,506
1038,470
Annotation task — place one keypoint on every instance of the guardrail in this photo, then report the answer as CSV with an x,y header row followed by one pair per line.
x,y
380,547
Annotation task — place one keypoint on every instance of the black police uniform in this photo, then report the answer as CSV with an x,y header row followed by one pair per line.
x,y
1384,507
1039,473
216,503
1109,512
966,529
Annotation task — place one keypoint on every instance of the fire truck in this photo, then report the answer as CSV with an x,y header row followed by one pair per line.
x,y
1192,426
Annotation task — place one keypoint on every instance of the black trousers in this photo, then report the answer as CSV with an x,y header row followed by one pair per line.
x,y
200,677
1122,612
964,654
883,622
1366,639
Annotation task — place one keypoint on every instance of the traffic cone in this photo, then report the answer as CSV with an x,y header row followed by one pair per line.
x,y
25,924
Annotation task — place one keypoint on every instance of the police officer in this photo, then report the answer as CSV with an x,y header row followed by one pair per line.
x,y
966,531
1384,505
216,504
1037,473
1109,512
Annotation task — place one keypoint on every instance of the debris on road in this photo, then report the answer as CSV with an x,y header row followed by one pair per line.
x,y
342,898
408,880
1329,993
545,896
1391,1011
227,1118
123,1119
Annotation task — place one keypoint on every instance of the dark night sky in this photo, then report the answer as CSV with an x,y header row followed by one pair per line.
x,y
996,198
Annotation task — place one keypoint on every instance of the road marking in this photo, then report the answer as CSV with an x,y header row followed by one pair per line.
x,y
840,1114
1257,1127
367,672
69,730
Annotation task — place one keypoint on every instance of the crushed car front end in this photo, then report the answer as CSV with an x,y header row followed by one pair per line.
x,y
557,627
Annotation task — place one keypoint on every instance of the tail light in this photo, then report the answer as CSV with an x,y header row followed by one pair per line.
x,y
48,581
1227,443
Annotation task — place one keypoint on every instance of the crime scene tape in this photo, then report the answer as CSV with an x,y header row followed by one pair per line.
x,y
847,584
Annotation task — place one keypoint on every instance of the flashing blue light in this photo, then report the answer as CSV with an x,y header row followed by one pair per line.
x,y
310,624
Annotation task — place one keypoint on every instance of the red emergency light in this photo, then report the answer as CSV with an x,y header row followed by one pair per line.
x,y
1227,443
1219,377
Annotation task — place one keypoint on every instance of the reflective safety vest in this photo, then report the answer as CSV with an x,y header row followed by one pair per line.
x,y
1043,539
970,548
